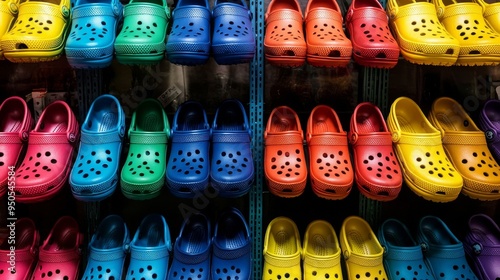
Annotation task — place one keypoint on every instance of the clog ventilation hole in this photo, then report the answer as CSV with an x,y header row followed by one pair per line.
x,y
231,273
102,162
100,273
143,273
377,34
188,162
92,32
289,166
232,29
1,162
271,276
230,163
143,168
49,274
195,274
286,33
329,164
27,171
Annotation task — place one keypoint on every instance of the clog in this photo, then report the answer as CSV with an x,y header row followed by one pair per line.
x,y
108,249
49,158
39,32
233,38
372,42
418,146
142,38
377,171
19,263
327,44
403,257
150,249
466,147
94,175
16,122
479,44
8,14
284,160
192,250
188,166
490,13
443,252
284,39
231,247
330,169
419,33
190,37
362,251
489,122
482,246
93,31
321,252
282,250
60,253
143,175
232,169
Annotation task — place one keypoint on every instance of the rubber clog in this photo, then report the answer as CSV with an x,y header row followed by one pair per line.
x,y
282,250
327,44
188,166
39,32
490,13
467,149
426,169
108,248
16,122
284,160
143,175
190,38
150,249
192,250
93,31
362,251
143,35
321,252
372,42
27,239
482,246
95,173
284,39
443,252
420,35
49,157
233,39
232,169
403,257
489,122
330,169
479,44
60,253
377,171
8,14
231,247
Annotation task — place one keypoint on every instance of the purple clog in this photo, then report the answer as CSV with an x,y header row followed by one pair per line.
x,y
482,245
489,122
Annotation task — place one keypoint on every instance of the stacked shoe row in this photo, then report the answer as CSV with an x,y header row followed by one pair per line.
x,y
92,33
393,252
219,156
438,157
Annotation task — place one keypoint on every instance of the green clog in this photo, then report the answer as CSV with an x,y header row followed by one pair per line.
x,y
143,174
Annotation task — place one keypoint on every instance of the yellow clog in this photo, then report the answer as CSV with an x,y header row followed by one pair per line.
x,y
491,13
321,252
463,19
39,32
420,35
426,169
362,251
282,250
8,13
466,147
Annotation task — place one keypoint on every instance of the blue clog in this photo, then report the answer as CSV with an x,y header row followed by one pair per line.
x,y
94,175
188,166
189,40
93,32
108,249
150,249
232,169
192,250
231,247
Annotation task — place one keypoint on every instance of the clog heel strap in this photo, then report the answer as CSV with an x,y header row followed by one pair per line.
x,y
491,10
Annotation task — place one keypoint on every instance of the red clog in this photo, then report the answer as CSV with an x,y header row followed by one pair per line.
x,y
15,123
378,174
372,41
48,160
284,160
331,170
